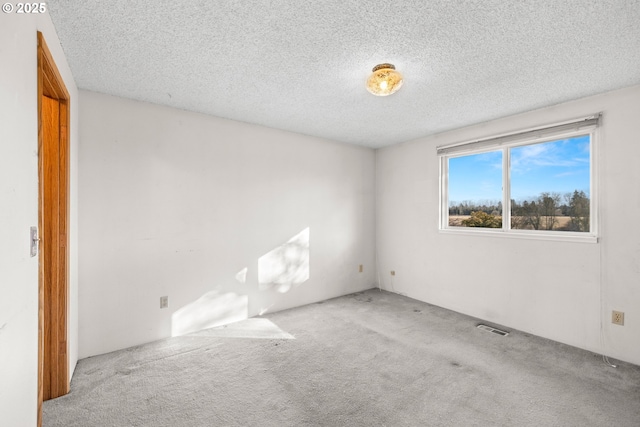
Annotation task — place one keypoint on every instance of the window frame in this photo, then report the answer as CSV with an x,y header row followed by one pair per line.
x,y
579,127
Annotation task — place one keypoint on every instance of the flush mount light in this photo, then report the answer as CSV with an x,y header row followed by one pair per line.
x,y
385,80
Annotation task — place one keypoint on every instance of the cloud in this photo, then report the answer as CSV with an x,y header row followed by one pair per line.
x,y
551,154
563,174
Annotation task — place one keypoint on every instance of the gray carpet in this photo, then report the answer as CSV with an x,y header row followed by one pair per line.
x,y
367,359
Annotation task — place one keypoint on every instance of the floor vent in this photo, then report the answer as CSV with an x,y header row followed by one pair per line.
x,y
494,330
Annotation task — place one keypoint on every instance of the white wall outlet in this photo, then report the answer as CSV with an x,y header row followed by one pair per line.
x,y
164,302
617,318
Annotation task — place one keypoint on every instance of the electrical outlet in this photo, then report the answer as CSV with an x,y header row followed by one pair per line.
x,y
360,269
164,302
617,318
393,272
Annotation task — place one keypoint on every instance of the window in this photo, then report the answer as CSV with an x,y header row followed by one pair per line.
x,y
536,183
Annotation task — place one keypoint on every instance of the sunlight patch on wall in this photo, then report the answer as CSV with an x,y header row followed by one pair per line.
x,y
212,309
241,276
263,310
285,266
257,328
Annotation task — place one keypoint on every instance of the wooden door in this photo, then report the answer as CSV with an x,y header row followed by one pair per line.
x,y
53,212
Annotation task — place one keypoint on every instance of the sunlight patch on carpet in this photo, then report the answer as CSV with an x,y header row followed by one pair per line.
x,y
257,328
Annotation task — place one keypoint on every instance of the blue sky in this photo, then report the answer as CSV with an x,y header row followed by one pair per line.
x,y
560,166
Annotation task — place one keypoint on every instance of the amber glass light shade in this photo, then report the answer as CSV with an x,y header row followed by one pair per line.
x,y
385,80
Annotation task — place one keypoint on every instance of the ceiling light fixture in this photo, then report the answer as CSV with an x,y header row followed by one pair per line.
x,y
385,80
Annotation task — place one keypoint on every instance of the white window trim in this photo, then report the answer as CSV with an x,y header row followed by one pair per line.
x,y
588,125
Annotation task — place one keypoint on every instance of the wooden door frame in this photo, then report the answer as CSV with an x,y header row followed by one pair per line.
x,y
51,84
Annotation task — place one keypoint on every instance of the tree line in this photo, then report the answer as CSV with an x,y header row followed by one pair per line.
x,y
539,213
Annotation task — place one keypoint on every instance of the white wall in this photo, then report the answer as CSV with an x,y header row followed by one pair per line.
x,y
19,211
176,203
548,288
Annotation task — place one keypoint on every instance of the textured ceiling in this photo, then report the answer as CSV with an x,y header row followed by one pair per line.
x,y
302,66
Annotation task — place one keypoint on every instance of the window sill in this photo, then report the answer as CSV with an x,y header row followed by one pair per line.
x,y
559,236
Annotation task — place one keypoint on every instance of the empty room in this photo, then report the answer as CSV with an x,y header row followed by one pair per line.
x,y
279,213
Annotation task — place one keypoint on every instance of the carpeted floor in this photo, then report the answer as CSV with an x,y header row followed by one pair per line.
x,y
368,359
